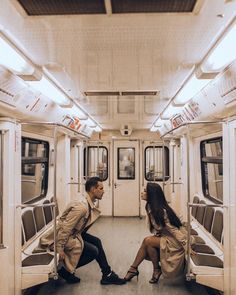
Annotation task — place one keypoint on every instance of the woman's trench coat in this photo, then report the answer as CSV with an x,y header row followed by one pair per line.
x,y
173,246
78,216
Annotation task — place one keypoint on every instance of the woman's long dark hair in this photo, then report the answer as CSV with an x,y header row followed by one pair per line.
x,y
157,203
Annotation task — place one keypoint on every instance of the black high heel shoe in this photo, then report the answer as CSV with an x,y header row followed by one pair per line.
x,y
155,276
131,273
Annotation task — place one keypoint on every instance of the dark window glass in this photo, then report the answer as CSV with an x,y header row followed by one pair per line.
x,y
154,163
212,169
34,169
96,162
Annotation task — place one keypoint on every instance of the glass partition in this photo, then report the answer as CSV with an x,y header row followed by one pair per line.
x,y
34,169
212,169
154,163
97,162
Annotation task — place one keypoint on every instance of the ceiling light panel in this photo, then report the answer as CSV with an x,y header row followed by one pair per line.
x,y
140,6
63,7
12,59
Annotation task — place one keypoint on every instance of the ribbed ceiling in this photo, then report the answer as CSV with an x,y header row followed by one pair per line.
x,y
62,7
141,6
66,7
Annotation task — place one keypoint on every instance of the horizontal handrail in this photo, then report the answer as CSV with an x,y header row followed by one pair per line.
x,y
207,205
36,205
192,123
55,125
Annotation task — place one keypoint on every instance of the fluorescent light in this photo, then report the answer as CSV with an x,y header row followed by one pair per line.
x,y
97,129
89,122
50,90
191,87
78,113
169,112
223,54
158,123
153,128
11,59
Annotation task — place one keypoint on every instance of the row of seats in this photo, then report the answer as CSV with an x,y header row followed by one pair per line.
x,y
207,229
34,223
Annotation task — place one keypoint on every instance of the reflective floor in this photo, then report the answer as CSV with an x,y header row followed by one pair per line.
x,y
121,238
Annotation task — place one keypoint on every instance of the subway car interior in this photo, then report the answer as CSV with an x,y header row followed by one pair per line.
x,y
133,92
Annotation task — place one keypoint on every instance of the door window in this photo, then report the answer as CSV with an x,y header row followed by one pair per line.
x,y
126,163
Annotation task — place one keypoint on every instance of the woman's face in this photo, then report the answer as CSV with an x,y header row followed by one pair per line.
x,y
144,195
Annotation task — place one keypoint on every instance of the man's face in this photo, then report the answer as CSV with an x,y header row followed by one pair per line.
x,y
98,191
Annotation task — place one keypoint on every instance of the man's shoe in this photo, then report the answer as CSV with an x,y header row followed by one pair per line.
x,y
112,279
67,276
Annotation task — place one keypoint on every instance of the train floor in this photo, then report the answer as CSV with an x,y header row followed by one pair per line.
x,y
121,238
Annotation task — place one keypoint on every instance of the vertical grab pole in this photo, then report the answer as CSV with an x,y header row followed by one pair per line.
x,y
188,277
1,189
154,161
109,162
86,160
163,164
54,207
144,167
173,168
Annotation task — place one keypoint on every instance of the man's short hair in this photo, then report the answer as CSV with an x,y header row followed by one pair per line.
x,y
92,182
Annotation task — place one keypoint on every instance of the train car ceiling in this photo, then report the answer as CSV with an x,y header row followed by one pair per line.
x,y
54,7
118,62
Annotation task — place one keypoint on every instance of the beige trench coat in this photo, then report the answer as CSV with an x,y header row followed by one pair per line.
x,y
173,246
70,225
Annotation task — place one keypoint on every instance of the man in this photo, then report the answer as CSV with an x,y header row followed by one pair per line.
x,y
75,246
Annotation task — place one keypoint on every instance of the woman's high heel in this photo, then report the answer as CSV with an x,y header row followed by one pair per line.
x,y
155,276
132,272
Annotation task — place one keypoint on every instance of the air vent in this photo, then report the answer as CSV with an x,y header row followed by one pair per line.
x,y
120,93
141,6
62,7
101,93
139,93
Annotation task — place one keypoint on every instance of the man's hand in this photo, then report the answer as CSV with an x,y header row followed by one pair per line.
x,y
62,255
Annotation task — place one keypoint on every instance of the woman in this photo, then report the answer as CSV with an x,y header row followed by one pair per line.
x,y
167,246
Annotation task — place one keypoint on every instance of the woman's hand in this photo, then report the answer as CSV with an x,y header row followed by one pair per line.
x,y
192,252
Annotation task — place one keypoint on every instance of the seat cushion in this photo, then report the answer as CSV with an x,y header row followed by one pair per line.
x,y
199,240
207,260
38,259
201,248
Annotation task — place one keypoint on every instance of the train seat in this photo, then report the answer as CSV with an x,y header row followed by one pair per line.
x,y
208,264
47,212
37,265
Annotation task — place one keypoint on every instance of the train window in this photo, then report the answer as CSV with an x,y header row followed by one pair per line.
x,y
34,169
154,163
97,162
1,190
212,169
126,163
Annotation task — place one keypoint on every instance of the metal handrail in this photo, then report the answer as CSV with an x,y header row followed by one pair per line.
x,y
52,204
192,123
1,191
55,125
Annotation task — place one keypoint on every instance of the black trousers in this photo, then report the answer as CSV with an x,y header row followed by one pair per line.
x,y
93,249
